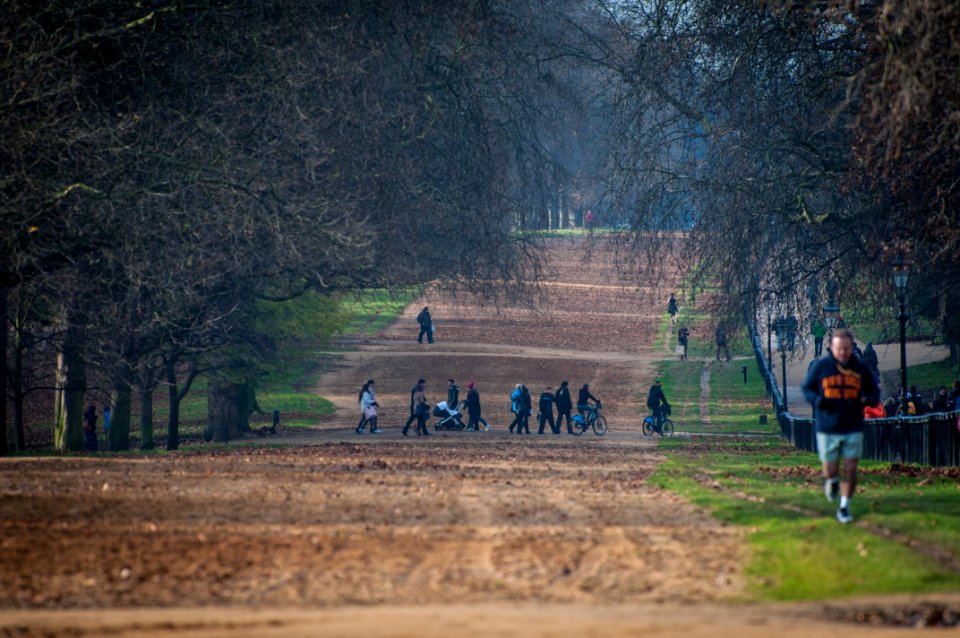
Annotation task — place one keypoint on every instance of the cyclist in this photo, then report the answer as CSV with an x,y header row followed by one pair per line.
x,y
583,400
657,401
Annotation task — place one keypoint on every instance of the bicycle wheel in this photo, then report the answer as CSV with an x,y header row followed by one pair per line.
x,y
577,428
600,425
647,428
668,428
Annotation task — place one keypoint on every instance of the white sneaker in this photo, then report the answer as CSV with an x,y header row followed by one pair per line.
x,y
486,428
843,515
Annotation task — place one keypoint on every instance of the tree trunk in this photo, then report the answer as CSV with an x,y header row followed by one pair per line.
x,y
18,394
564,210
120,415
71,383
228,410
3,370
173,416
555,210
146,411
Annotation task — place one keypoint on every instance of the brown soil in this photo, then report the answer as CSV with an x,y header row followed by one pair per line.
x,y
457,534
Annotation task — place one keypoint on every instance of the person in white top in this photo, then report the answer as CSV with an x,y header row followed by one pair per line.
x,y
369,408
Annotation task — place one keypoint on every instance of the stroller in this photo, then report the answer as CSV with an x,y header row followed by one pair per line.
x,y
450,418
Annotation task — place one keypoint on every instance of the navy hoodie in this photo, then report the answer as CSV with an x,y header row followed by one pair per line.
x,y
839,393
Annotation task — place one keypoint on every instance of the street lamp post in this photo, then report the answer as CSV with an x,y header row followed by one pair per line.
x,y
901,277
782,342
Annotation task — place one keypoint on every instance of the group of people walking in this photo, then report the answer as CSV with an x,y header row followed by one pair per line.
x,y
550,403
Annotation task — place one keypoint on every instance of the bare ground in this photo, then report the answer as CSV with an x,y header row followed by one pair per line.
x,y
456,534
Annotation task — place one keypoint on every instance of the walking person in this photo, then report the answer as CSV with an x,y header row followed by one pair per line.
x,y
453,394
522,407
721,338
422,411
90,428
546,411
474,412
369,408
818,331
683,336
413,405
426,325
872,361
657,402
564,406
838,387
363,399
673,309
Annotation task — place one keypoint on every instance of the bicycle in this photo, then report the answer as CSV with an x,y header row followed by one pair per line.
x,y
649,422
593,419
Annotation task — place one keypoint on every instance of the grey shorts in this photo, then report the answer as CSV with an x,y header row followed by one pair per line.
x,y
832,446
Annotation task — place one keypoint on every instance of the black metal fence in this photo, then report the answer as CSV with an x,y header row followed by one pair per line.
x,y
932,439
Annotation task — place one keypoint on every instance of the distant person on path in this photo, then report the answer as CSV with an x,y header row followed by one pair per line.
x,y
522,406
673,309
657,402
583,399
360,399
369,408
453,394
413,405
793,324
872,361
426,325
564,406
90,428
546,411
721,339
818,331
839,387
422,410
473,409
589,221
683,338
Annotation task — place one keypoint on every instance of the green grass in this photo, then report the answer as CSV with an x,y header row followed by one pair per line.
x,y
928,377
735,406
795,556
373,310
681,385
701,342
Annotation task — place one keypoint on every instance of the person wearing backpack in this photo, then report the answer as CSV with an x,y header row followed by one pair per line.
x,y
426,325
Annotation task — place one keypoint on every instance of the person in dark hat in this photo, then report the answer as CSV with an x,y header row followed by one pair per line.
x,y
564,406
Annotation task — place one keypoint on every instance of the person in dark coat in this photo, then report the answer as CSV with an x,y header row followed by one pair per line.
x,y
583,399
683,338
839,387
942,402
872,361
524,407
90,428
546,411
657,402
673,309
721,339
453,394
564,406
474,410
413,415
426,325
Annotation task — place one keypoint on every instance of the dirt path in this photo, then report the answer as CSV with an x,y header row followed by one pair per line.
x,y
483,534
